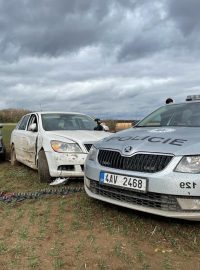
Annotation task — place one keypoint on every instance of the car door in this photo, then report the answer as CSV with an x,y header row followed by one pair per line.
x,y
18,138
31,141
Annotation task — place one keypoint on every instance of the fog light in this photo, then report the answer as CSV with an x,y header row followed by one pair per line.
x,y
189,204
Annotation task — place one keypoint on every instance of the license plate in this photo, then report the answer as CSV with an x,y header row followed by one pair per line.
x,y
130,182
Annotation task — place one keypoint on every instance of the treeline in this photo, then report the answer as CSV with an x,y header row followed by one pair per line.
x,y
12,115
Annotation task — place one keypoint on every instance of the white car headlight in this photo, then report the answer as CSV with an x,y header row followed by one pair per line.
x,y
92,155
63,147
189,164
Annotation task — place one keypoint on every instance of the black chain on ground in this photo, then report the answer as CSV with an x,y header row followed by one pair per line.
x,y
21,196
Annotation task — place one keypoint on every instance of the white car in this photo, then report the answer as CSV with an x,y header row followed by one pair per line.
x,y
54,143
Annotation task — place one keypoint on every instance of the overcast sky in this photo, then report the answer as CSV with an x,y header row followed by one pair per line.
x,y
107,58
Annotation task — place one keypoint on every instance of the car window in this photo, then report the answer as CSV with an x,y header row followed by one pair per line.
x,y
23,123
67,122
33,120
185,114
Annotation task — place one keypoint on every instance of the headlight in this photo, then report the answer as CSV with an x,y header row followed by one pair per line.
x,y
190,164
63,147
92,155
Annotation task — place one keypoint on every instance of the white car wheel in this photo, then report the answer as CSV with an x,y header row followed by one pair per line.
x,y
13,159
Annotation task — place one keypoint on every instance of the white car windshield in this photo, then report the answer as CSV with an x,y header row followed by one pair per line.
x,y
56,121
185,114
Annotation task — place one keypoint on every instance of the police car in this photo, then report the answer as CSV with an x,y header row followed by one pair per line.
x,y
153,167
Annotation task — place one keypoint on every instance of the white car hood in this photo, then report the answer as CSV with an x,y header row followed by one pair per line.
x,y
80,136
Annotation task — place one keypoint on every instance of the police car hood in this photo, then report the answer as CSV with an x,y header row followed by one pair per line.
x,y
172,140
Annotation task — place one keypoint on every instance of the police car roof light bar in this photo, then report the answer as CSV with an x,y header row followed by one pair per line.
x,y
193,97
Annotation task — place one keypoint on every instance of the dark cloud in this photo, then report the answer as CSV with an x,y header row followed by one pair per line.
x,y
53,27
186,14
113,59
141,46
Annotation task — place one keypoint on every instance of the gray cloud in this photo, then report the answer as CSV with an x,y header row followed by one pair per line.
x,y
112,59
52,27
185,14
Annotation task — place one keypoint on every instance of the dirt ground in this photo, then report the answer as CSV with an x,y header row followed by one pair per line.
x,y
76,232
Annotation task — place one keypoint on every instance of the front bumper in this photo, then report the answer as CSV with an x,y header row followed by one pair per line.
x,y
164,195
66,164
195,216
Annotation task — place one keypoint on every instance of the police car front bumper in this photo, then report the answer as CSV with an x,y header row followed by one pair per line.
x,y
168,193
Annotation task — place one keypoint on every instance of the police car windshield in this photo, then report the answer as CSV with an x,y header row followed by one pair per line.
x,y
185,114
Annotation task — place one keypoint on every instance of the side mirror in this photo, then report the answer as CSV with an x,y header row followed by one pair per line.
x,y
1,126
32,127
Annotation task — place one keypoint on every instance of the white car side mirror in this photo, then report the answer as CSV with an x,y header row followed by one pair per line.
x,y
32,127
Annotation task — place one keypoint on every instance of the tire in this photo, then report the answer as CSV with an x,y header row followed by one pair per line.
x,y
13,159
43,168
3,155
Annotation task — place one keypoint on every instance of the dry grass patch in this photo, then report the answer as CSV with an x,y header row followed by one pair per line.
x,y
76,232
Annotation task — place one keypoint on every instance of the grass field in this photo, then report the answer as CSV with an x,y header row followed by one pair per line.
x,y
76,232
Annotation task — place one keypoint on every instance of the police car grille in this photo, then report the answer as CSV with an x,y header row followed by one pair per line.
x,y
153,200
140,162
88,146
